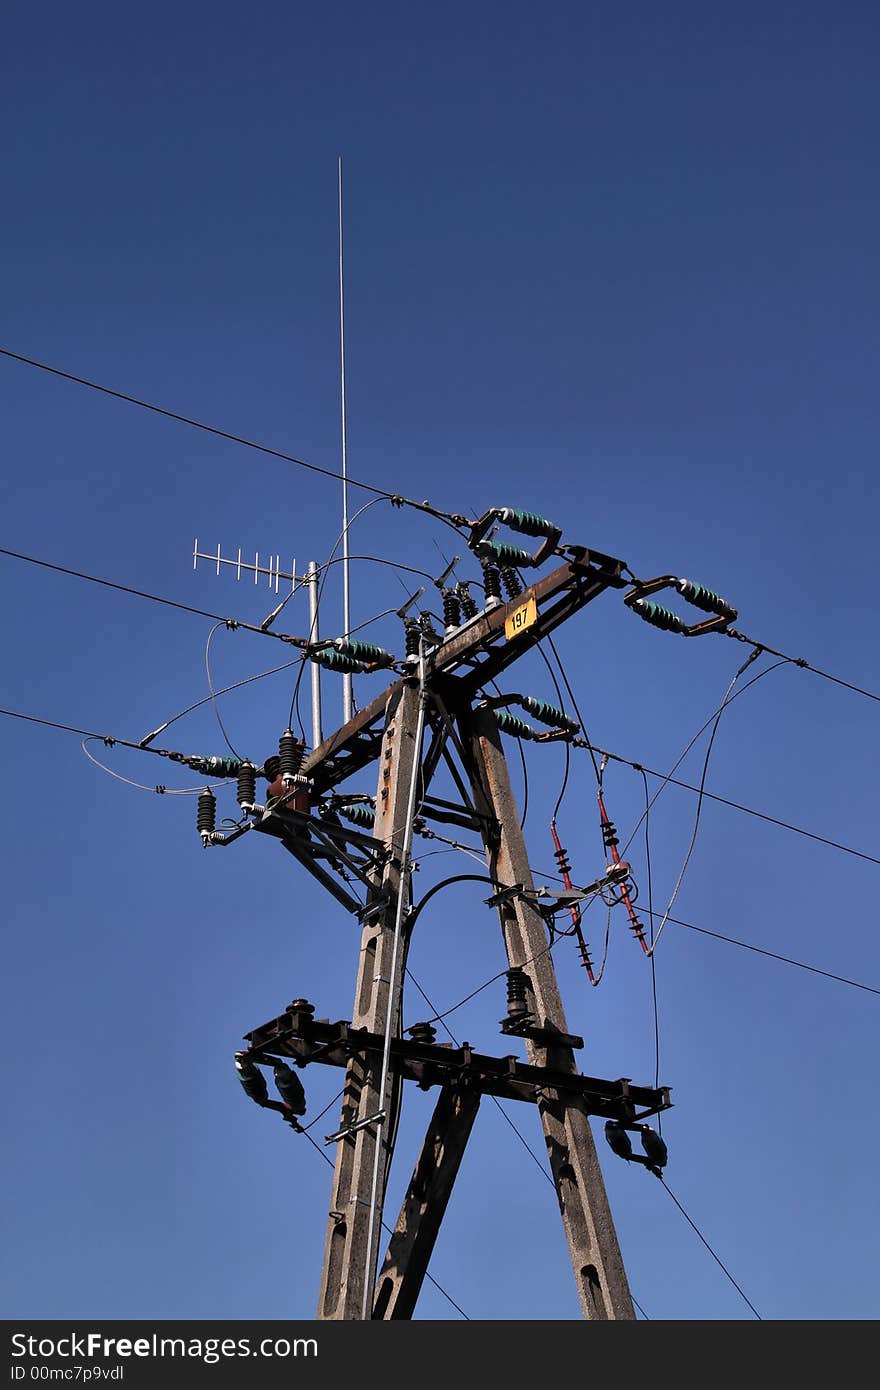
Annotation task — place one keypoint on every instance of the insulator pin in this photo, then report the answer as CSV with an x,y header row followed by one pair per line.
x,y
334,660
252,1080
359,814
509,724
364,651
502,553
451,610
246,792
424,1033
290,754
290,1088
206,814
469,606
491,582
412,636
214,767
527,523
517,1000
659,617
548,714
704,598
511,581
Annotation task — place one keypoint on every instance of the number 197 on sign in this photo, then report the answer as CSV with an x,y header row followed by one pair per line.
x,y
520,619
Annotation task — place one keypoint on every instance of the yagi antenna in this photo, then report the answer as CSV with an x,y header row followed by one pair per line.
x,y
272,570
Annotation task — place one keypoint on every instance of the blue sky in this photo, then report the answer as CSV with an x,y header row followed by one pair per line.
x,y
614,264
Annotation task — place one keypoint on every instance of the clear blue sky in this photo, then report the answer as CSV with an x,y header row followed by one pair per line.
x,y
613,263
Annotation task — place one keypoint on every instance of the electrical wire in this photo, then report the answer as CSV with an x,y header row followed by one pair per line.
x,y
521,1137
678,921
753,656
574,704
803,664
448,518
213,693
651,951
322,1113
773,955
681,757
718,1261
294,699
386,1227
141,786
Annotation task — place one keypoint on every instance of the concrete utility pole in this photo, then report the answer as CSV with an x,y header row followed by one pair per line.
x,y
348,1232
440,693
583,1203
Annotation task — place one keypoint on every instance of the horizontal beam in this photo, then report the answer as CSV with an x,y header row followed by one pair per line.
x,y
298,1035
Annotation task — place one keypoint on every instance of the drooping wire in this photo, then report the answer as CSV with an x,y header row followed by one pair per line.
x,y
716,1258
753,656
448,518
213,694
669,779
651,951
574,704
678,921
322,1113
142,786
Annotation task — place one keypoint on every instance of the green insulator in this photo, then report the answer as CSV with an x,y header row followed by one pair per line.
x,y
290,1088
509,724
529,523
214,767
500,553
335,660
364,651
704,598
252,1079
548,714
659,617
360,814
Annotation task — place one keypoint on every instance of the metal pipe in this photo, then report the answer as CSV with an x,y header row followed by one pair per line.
x,y
402,900
347,695
314,636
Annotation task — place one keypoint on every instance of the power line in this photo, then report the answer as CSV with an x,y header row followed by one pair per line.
x,y
731,940
753,656
232,623
387,1228
715,1257
725,801
439,1018
449,518
803,664
773,955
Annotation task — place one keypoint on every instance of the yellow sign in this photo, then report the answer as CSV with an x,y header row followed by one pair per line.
x,y
520,619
